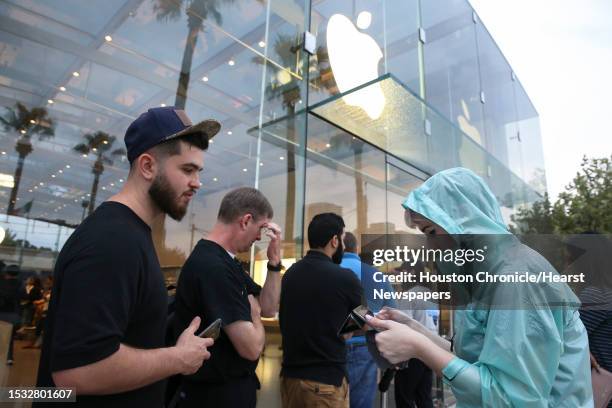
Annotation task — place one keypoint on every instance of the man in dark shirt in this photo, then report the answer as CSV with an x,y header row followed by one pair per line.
x,y
106,321
214,285
316,297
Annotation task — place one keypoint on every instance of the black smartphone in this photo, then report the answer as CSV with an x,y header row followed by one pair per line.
x,y
212,331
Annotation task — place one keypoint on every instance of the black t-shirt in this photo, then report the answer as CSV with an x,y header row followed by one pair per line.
x,y
316,297
213,285
108,289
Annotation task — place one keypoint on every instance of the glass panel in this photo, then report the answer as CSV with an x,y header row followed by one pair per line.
x,y
359,41
452,80
346,176
385,114
498,87
94,67
532,155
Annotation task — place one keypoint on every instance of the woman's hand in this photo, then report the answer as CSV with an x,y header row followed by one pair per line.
x,y
388,313
396,342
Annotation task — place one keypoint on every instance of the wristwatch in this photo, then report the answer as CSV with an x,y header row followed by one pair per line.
x,y
275,268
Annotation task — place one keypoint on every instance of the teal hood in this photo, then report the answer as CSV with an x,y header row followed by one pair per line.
x,y
459,201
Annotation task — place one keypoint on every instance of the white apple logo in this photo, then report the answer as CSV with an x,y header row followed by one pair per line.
x,y
354,57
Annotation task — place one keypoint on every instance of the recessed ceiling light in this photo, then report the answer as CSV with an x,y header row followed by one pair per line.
x,y
84,155
53,176
32,121
3,152
105,142
231,63
108,38
244,170
60,171
215,179
63,88
94,149
211,141
41,183
103,188
282,158
112,184
261,164
23,132
50,100
163,105
229,132
121,180
30,190
75,74
262,44
327,145
67,166
205,78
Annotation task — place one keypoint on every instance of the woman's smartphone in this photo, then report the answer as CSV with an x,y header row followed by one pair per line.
x,y
212,331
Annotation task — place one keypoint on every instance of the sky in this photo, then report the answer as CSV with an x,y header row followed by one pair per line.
x,y
561,51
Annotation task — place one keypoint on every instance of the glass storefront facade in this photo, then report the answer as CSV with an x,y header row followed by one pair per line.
x,y
433,92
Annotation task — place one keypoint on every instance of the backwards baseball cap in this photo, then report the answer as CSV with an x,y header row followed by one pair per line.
x,y
158,125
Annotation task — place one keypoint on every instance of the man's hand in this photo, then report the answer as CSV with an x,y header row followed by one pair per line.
x,y
274,247
255,308
397,342
191,349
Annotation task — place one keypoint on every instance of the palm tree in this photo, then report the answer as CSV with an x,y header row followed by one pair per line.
x,y
197,12
100,144
28,123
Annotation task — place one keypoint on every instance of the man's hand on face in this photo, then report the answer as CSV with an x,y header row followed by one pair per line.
x,y
273,231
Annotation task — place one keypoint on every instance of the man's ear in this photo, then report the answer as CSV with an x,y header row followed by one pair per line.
x,y
335,242
147,166
244,220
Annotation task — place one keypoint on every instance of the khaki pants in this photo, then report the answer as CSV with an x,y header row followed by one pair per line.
x,y
296,393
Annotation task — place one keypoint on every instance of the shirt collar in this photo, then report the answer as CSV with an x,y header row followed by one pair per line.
x,y
318,254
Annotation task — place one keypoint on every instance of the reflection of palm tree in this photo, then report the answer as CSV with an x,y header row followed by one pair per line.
x,y
197,12
340,143
28,123
286,87
100,144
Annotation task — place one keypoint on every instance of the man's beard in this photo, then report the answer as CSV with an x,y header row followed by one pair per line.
x,y
165,198
337,256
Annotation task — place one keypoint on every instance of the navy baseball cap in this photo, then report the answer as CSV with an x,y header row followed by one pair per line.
x,y
158,125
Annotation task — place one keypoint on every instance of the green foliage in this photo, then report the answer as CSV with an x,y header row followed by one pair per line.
x,y
585,205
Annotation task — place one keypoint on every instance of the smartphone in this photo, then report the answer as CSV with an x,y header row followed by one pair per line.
x,y
212,331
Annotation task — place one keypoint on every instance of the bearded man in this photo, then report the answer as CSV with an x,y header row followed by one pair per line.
x,y
106,322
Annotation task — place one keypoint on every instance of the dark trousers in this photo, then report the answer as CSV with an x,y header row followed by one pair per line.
x,y
238,392
413,386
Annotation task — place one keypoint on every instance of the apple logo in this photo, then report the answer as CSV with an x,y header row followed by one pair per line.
x,y
354,58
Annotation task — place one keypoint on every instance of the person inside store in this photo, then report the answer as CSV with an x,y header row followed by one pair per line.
x,y
106,321
500,357
9,303
213,284
316,297
361,368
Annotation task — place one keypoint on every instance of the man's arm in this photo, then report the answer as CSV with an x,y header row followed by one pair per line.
x,y
269,298
248,338
130,368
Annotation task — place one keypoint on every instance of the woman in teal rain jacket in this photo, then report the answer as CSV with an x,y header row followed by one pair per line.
x,y
504,357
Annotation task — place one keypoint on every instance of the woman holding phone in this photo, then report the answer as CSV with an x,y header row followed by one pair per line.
x,y
518,356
